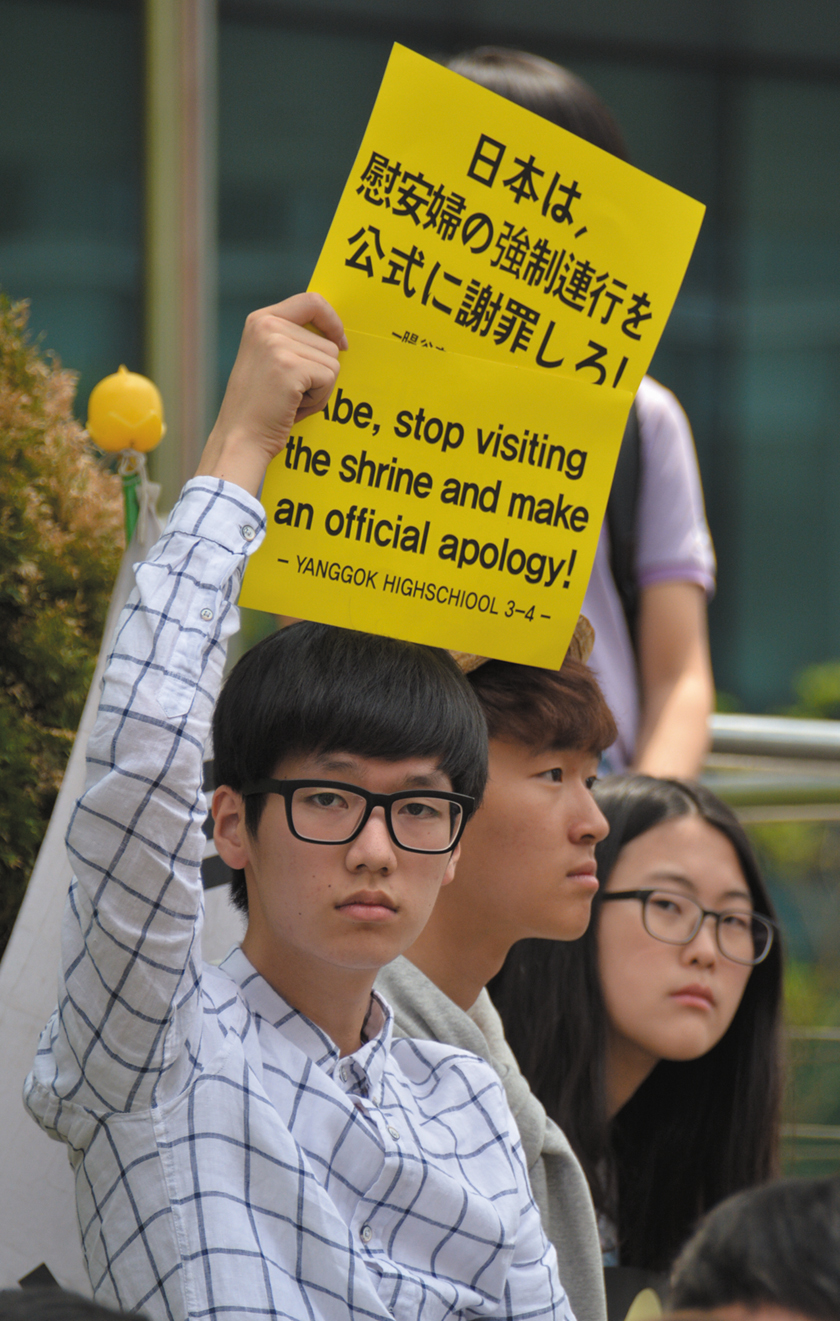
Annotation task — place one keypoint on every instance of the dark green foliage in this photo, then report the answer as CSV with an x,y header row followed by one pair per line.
x,y
817,689
60,546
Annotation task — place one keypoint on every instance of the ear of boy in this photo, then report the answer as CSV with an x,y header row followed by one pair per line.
x,y
228,814
229,831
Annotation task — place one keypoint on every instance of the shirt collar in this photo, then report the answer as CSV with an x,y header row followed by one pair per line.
x,y
360,1074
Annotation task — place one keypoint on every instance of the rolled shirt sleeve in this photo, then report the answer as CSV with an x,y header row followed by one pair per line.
x,y
131,937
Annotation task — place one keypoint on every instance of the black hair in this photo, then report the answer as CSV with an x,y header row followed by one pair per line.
x,y
49,1303
545,88
544,709
776,1246
315,688
695,1130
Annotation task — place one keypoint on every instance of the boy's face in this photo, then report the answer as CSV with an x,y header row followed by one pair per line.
x,y
352,906
528,854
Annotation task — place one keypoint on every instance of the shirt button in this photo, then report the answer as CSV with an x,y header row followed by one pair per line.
x,y
207,613
366,1233
342,1073
395,1132
248,532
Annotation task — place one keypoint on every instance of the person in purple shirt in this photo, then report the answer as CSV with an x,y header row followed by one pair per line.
x,y
662,694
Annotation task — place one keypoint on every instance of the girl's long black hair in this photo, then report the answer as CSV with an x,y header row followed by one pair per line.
x,y
694,1131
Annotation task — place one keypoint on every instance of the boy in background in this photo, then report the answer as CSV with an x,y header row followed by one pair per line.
x,y
527,869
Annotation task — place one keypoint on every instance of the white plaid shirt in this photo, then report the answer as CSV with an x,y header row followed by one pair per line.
x,y
228,1162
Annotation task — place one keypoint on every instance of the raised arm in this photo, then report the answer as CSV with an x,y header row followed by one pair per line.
x,y
131,951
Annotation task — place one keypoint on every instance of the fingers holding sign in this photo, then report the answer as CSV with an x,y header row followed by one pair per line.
x,y
284,371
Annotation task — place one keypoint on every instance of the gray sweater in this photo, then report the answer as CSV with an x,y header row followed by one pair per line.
x,y
558,1182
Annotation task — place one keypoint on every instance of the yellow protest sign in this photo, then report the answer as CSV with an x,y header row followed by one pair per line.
x,y
471,224
442,499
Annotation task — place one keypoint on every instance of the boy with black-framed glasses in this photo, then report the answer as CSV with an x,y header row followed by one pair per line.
x,y
248,1140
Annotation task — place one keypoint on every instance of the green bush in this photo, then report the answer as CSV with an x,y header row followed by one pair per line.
x,y
60,545
817,690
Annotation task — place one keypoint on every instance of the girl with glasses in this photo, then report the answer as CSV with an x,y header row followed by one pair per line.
x,y
654,1041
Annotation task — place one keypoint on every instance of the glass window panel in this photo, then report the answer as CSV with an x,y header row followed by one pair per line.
x,y
71,178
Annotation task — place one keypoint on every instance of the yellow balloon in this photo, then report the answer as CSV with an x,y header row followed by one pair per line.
x,y
125,411
645,1306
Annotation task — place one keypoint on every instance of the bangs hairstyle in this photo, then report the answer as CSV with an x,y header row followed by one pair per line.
x,y
777,1246
544,709
635,804
313,688
545,88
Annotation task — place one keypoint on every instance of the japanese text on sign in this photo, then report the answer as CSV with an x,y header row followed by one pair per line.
x,y
497,234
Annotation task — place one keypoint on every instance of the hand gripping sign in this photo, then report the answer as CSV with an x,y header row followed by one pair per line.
x,y
459,506
503,284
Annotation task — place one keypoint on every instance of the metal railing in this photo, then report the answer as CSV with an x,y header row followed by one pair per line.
x,y
776,736
776,768
782,769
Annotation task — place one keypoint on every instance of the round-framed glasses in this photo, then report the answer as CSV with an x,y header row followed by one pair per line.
x,y
331,812
742,935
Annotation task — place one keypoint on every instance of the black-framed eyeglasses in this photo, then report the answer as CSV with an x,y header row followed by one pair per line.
x,y
331,812
742,935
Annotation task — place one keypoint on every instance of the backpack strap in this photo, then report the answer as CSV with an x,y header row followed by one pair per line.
x,y
622,516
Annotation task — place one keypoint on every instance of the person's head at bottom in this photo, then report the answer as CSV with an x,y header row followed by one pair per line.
x,y
527,865
767,1254
654,1040
347,766
49,1303
546,89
